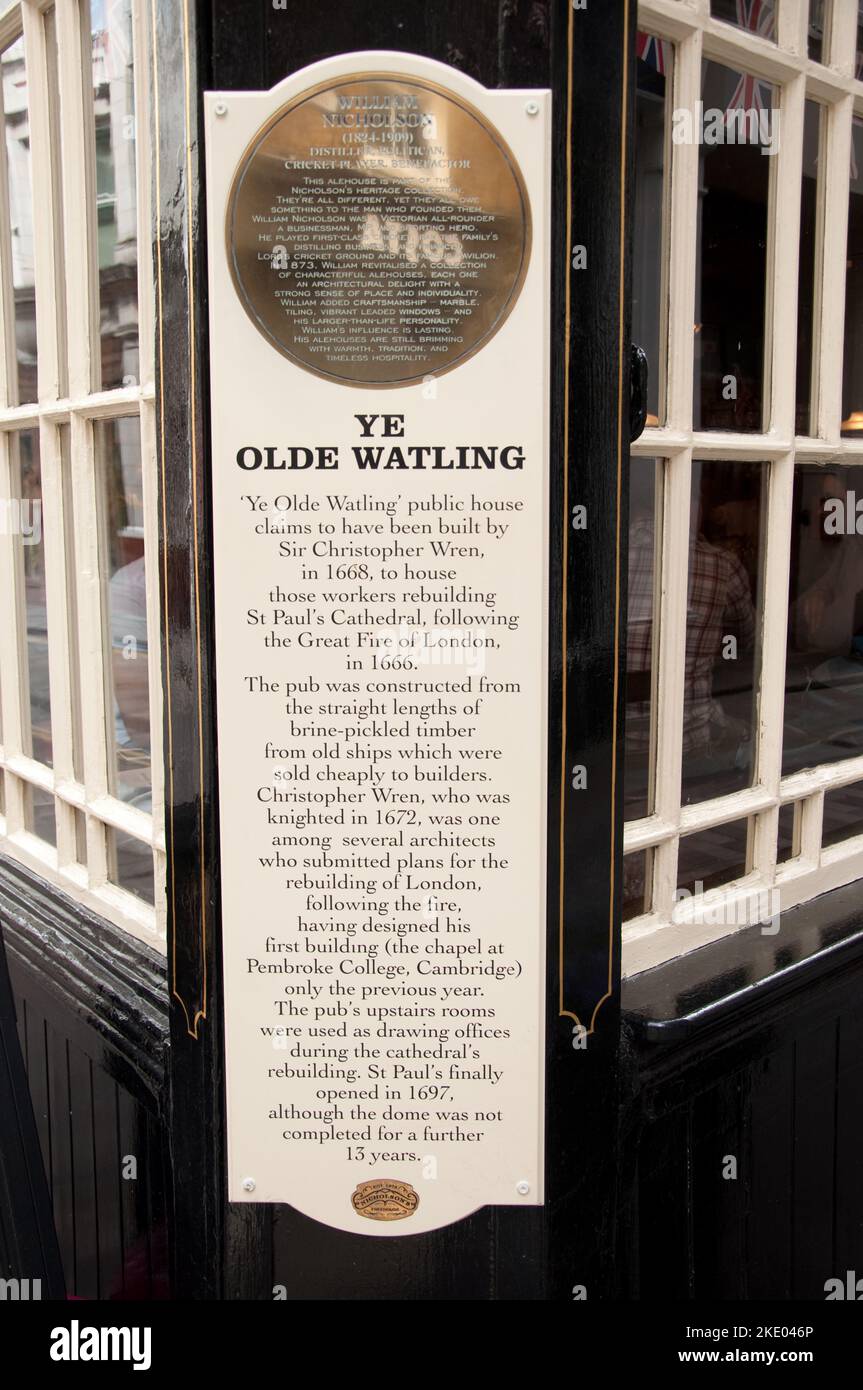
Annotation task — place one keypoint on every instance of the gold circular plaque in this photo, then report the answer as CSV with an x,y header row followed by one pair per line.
x,y
378,230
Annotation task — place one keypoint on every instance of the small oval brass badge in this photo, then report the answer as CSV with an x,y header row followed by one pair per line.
x,y
381,1199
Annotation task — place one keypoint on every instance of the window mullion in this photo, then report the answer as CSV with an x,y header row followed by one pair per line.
x,y
843,37
792,29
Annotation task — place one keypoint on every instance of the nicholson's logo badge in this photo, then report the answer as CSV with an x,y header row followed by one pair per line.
x,y
381,1199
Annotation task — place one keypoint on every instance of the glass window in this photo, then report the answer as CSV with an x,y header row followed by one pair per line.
x,y
116,189
722,628
40,818
645,484
852,376
756,16
824,664
26,466
118,453
787,844
806,271
635,885
712,857
131,865
816,45
21,373
843,814
653,83
738,134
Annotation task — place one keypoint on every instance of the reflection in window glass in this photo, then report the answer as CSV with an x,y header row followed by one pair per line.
x,y
712,857
54,119
722,626
40,818
116,192
806,267
635,886
19,179
858,67
645,482
27,467
732,248
131,865
756,16
843,814
118,454
653,77
816,31
786,844
852,377
824,664
65,443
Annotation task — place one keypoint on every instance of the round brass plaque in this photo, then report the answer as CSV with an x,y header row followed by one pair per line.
x,y
378,230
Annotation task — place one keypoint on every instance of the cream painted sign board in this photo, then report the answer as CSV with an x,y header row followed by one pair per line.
x,y
379,333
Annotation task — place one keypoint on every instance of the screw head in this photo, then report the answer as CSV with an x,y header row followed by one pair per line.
x,y
248,1184
522,1188
532,108
221,109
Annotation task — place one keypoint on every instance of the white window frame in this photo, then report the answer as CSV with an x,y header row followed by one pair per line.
x,y
672,927
76,282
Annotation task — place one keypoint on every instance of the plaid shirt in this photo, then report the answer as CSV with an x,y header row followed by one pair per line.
x,y
720,601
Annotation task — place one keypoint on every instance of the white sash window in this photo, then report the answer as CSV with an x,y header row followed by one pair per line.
x,y
80,692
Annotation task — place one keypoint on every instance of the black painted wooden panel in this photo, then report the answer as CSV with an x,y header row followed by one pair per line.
x,y
91,1011
781,1090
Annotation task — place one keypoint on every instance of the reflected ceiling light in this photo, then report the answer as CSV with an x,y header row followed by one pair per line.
x,y
854,421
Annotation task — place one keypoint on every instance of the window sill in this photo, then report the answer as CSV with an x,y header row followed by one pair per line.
x,y
742,974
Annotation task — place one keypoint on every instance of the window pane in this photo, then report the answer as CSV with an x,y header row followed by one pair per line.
x,y
786,847
80,836
132,865
116,192
722,628
806,270
824,669
40,817
758,16
635,886
648,295
71,598
816,30
20,191
843,814
26,466
645,483
53,86
118,453
852,380
732,249
712,857
858,69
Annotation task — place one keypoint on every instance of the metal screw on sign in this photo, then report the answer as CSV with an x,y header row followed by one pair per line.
x,y
248,1184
